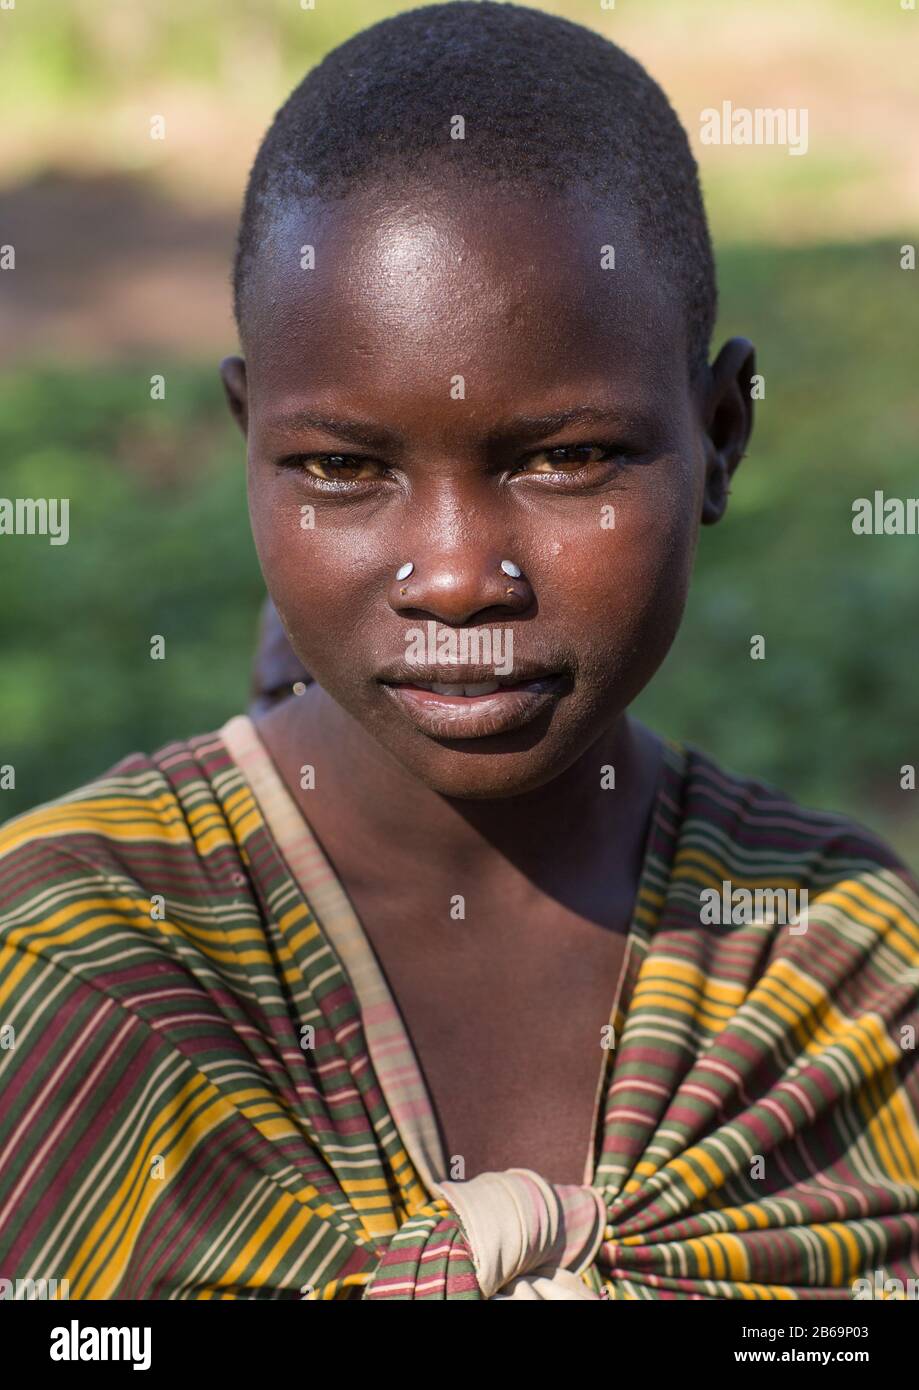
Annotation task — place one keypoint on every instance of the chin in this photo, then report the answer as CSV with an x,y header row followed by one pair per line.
x,y
490,769
487,782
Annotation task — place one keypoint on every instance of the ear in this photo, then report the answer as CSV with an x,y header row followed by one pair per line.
x,y
233,376
727,413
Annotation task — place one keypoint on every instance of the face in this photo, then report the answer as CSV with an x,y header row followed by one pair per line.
x,y
458,382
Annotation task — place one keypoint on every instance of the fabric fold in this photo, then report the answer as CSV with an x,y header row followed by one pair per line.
x,y
244,1117
529,1239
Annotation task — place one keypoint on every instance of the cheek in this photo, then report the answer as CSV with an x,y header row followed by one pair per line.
x,y
314,571
280,542
287,550
634,579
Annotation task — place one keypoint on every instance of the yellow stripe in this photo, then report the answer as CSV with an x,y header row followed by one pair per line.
x,y
891,914
679,972
723,872
24,963
107,1264
135,914
233,1272
888,1097
280,1247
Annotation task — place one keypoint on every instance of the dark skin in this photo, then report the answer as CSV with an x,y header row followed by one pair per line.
x,y
504,1008
276,669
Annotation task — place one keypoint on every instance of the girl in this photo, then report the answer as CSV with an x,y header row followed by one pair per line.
x,y
445,978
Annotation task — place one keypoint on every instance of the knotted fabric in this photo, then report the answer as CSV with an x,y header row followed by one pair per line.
x,y
757,1135
506,1235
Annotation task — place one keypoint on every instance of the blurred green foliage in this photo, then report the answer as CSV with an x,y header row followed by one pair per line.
x,y
159,544
830,714
97,50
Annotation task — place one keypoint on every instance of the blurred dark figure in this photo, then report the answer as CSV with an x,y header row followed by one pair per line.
x,y
276,668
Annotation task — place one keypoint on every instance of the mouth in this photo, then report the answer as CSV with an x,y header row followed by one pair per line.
x,y
475,708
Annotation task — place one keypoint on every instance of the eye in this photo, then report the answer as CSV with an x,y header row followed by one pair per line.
x,y
581,461
333,469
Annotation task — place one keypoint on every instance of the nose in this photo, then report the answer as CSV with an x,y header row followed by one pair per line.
x,y
457,590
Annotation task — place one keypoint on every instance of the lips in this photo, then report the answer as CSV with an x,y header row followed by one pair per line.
x,y
475,709
484,688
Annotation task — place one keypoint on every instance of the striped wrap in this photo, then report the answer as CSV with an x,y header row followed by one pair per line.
x,y
206,1091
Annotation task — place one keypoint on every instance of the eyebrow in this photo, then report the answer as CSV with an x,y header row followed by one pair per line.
x,y
377,436
534,426
371,436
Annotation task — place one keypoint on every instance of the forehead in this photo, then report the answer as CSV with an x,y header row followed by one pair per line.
x,y
510,290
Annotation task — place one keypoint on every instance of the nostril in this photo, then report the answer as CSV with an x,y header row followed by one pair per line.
x,y
457,589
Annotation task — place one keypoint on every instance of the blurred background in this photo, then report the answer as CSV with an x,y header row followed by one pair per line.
x,y
123,247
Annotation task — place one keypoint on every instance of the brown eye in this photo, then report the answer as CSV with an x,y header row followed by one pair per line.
x,y
567,458
338,468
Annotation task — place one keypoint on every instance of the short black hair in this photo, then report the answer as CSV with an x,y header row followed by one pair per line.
x,y
547,105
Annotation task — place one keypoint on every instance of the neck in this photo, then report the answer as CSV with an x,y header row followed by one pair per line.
x,y
570,837
556,835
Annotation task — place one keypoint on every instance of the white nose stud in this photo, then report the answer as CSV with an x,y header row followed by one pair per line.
x,y
507,567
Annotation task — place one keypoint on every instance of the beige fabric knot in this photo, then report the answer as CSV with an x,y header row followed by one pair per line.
x,y
528,1238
